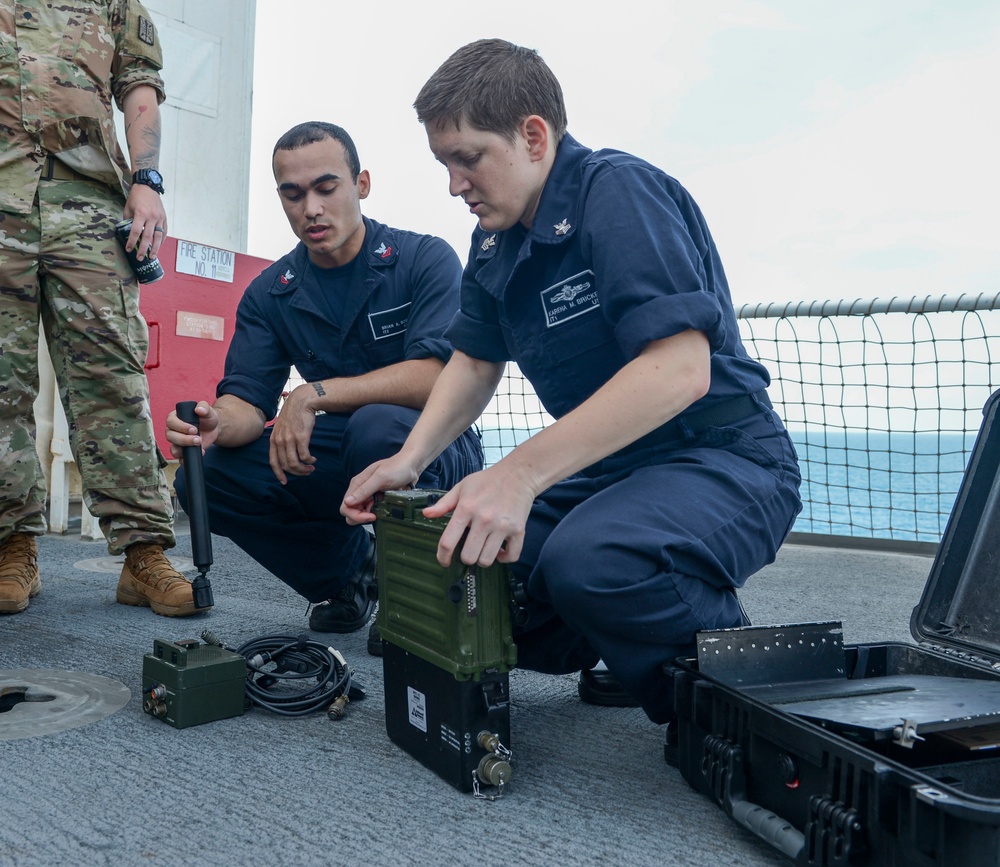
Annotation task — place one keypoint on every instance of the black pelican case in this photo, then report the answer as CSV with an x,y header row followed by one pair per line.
x,y
873,754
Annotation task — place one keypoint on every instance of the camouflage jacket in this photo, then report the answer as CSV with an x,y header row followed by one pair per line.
x,y
61,62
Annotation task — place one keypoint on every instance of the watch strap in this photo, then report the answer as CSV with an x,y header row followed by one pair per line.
x,y
149,177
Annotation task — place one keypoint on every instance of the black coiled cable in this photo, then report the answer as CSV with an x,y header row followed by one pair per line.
x,y
294,675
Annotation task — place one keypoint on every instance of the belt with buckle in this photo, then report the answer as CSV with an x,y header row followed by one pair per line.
x,y
701,420
56,170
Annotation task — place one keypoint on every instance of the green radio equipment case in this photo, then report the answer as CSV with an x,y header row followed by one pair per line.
x,y
447,647
187,683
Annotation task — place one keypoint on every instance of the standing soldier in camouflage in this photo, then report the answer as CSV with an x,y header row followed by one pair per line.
x,y
64,184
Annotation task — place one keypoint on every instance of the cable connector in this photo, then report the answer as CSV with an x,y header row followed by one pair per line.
x,y
211,638
259,660
337,707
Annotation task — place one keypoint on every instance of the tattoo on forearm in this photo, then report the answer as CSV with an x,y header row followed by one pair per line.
x,y
151,135
319,388
146,143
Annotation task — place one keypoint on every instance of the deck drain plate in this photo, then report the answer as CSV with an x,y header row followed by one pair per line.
x,y
37,701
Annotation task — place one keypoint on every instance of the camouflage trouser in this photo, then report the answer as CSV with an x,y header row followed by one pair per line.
x,y
62,263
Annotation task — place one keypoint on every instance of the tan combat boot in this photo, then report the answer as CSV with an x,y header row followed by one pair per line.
x,y
19,579
148,579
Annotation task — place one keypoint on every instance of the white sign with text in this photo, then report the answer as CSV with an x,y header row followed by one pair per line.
x,y
203,261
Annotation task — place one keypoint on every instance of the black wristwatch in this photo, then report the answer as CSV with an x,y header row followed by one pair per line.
x,y
149,177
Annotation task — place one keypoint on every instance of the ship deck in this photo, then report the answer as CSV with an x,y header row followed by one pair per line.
x,y
590,784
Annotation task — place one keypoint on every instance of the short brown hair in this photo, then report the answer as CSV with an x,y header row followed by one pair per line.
x,y
493,85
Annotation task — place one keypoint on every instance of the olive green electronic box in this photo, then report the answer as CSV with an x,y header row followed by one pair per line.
x,y
186,683
447,648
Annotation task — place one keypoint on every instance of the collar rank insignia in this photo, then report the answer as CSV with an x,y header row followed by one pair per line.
x,y
489,242
287,277
383,251
562,227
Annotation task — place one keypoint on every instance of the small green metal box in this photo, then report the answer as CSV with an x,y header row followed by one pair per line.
x,y
186,683
457,618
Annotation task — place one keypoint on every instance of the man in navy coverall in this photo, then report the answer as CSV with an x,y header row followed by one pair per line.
x,y
359,309
667,479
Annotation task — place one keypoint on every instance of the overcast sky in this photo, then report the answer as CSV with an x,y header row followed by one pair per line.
x,y
838,150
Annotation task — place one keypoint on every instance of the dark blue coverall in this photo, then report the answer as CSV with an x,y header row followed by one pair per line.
x,y
398,307
627,560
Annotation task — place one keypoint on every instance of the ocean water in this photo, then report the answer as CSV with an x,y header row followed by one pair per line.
x,y
871,484
880,485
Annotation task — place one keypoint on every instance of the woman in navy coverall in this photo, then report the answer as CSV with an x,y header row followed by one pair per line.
x,y
666,479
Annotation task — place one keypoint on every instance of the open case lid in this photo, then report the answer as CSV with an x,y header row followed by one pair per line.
x,y
960,605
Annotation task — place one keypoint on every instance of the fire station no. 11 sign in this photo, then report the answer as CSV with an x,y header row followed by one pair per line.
x,y
204,261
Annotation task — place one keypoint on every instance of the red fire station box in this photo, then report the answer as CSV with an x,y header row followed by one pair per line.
x,y
191,313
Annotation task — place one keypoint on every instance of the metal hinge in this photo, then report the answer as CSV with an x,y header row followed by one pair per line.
x,y
962,655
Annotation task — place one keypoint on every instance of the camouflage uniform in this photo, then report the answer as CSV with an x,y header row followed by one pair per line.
x,y
60,65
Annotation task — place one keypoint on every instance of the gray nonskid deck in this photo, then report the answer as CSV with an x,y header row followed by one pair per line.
x,y
590,784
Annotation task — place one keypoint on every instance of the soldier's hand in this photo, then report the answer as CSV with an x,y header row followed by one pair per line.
x,y
181,433
144,208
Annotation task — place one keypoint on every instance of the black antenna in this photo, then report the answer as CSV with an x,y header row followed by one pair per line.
x,y
197,509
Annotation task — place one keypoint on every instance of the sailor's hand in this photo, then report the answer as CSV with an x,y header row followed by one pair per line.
x,y
492,507
290,435
181,434
392,474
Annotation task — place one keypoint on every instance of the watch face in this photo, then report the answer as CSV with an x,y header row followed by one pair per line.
x,y
155,176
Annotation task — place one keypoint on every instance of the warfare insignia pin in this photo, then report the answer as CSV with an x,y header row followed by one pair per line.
x,y
562,227
489,242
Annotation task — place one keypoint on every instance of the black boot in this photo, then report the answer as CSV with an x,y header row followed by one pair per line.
x,y
354,605
599,686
